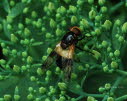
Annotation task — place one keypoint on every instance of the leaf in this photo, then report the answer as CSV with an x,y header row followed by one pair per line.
x,y
6,31
15,11
6,6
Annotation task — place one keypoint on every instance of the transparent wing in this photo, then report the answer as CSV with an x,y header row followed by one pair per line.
x,y
50,59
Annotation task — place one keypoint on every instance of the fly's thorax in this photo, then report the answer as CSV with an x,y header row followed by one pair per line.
x,y
66,53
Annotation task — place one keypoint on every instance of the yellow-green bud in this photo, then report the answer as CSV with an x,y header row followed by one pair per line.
x,y
114,64
107,24
107,86
90,1
92,14
52,23
110,99
62,86
84,23
90,98
40,72
16,69
14,38
30,97
74,19
7,97
101,2
42,90
117,53
124,27
29,59
58,32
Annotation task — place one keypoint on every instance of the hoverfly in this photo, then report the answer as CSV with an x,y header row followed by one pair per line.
x,y
64,50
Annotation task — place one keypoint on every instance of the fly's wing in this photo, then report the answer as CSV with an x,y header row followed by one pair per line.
x,y
50,59
67,64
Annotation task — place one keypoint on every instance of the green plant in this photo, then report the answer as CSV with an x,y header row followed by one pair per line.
x,y
29,29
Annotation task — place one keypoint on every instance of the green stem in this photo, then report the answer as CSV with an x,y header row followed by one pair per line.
x,y
116,7
121,72
84,78
122,98
115,86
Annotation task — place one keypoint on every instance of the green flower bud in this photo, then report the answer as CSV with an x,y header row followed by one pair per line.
x,y
58,16
48,73
23,68
30,89
16,97
52,23
114,64
24,1
7,97
42,90
118,22
67,1
3,45
121,38
84,23
9,27
29,59
107,24
12,3
32,78
124,27
14,38
24,54
9,19
63,23
101,2
92,14
1,77
101,89
97,55
80,67
103,9
58,32
47,79
5,51
62,86
109,49
105,69
47,99
48,35
27,32
40,72
117,53
111,54
20,26
26,42
44,58
16,69
107,86
97,31
74,20
27,21
58,70
49,50
1,99
98,18
2,62
104,43
110,99
30,97
62,10
25,10
73,76
80,2
51,6
62,98
14,51
34,14
90,98
72,9
90,1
